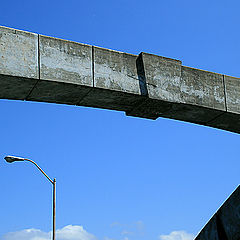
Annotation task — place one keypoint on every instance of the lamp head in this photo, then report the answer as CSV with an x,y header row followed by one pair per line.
x,y
11,159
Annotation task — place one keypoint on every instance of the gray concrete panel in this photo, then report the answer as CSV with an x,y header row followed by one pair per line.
x,y
65,61
18,53
117,82
186,94
116,71
232,86
202,88
163,76
225,224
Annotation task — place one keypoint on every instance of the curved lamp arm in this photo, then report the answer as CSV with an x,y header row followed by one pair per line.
x,y
25,159
11,159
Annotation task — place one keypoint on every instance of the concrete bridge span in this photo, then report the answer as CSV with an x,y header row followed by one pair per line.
x,y
34,67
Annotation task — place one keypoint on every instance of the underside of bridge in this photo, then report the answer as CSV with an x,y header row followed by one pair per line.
x,y
34,67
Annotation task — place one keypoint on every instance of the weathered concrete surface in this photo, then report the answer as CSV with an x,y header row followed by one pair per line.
x,y
18,63
67,67
65,61
18,53
183,93
116,81
225,224
115,71
163,77
232,85
40,68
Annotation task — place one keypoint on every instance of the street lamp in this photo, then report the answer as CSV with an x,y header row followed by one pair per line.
x,y
11,159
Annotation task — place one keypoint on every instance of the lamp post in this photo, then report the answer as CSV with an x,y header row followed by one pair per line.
x,y
11,159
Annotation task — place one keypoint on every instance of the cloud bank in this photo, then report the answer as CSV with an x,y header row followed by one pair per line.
x,y
69,232
177,235
75,232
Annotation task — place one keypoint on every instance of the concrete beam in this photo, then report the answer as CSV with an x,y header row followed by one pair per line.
x,y
40,68
225,223
19,70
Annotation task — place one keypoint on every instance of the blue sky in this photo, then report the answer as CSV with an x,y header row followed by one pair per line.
x,y
118,177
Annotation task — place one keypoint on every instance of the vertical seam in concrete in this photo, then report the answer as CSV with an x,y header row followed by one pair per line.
x,y
141,75
38,65
142,85
225,95
39,73
79,101
93,76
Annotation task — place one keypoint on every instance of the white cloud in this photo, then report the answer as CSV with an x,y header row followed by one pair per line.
x,y
69,232
177,235
73,233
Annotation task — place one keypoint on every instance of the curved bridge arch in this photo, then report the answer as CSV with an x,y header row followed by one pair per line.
x,y
39,68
